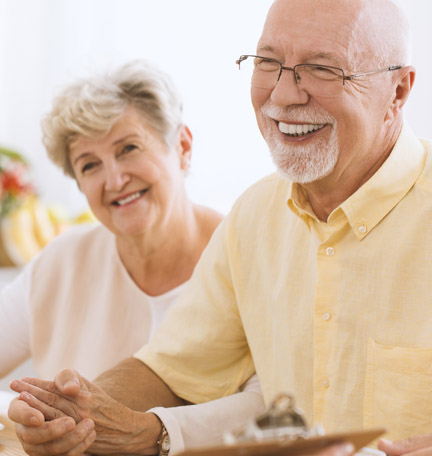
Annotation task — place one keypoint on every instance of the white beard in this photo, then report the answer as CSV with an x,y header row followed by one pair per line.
x,y
301,163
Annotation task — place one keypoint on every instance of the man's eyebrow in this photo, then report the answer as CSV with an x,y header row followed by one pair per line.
x,y
323,55
265,48
309,56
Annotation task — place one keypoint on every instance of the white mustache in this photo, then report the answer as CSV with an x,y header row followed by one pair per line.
x,y
302,114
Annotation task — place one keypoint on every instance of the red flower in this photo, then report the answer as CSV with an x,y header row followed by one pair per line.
x,y
14,185
13,182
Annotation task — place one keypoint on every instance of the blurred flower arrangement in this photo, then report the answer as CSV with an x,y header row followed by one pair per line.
x,y
15,186
27,224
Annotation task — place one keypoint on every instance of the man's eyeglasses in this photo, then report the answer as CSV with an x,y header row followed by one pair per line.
x,y
318,80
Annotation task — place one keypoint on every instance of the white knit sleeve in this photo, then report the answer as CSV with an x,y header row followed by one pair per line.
x,y
204,424
14,323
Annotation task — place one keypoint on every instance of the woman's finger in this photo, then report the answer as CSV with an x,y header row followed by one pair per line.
x,y
50,413
58,438
51,399
22,413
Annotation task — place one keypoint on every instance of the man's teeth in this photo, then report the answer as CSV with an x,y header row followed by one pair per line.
x,y
298,130
128,199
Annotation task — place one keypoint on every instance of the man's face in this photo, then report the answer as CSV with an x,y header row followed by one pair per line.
x,y
311,137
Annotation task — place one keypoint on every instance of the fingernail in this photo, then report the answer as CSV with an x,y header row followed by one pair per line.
x,y
71,383
386,441
348,448
69,425
34,421
89,425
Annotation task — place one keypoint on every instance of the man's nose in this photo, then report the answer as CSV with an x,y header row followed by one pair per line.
x,y
287,92
116,177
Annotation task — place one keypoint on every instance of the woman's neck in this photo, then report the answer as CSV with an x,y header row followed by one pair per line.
x,y
164,258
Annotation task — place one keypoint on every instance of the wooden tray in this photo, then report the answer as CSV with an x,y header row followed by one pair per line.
x,y
9,443
285,448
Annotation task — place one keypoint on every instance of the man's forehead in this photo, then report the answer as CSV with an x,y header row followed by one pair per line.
x,y
328,29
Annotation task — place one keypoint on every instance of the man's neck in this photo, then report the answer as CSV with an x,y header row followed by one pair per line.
x,y
328,193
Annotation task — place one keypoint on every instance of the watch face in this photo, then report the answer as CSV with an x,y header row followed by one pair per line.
x,y
165,443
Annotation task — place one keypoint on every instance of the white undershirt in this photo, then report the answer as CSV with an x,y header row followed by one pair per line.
x,y
160,304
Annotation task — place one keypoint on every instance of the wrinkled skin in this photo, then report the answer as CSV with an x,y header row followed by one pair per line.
x,y
84,408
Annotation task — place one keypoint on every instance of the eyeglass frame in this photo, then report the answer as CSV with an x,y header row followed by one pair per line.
x,y
350,77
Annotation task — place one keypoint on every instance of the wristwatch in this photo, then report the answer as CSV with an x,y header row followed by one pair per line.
x,y
163,442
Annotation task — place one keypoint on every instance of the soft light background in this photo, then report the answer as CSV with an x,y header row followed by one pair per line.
x,y
46,43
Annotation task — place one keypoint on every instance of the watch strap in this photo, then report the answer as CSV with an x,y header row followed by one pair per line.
x,y
163,441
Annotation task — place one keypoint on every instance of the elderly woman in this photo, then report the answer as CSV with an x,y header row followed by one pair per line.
x,y
96,293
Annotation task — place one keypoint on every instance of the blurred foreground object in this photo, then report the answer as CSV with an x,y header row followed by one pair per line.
x,y
282,421
283,431
26,223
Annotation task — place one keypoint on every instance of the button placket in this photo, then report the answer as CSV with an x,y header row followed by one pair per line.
x,y
328,269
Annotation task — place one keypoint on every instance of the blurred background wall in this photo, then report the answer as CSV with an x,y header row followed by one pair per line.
x,y
46,43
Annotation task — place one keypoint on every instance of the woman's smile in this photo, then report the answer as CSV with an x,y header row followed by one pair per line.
x,y
129,199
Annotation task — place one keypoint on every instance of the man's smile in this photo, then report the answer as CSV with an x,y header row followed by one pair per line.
x,y
298,129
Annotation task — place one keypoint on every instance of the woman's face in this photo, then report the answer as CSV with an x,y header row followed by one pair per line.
x,y
132,180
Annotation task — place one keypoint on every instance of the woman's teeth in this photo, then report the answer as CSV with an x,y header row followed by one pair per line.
x,y
298,130
128,199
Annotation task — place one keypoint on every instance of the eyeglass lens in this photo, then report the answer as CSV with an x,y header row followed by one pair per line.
x,y
315,79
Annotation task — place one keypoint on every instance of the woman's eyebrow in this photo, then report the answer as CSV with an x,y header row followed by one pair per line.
x,y
124,138
83,155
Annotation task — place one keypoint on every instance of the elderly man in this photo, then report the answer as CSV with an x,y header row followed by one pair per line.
x,y
318,279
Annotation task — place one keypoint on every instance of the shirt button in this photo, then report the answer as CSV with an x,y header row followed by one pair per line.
x,y
326,316
330,251
362,229
325,383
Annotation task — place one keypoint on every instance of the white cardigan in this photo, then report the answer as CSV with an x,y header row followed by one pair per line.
x,y
76,306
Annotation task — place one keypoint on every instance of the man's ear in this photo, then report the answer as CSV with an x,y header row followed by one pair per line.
x,y
402,91
184,146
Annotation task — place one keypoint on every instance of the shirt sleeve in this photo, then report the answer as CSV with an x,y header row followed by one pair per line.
x,y
14,323
200,351
193,426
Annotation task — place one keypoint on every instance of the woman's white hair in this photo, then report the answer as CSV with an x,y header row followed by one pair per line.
x,y
91,106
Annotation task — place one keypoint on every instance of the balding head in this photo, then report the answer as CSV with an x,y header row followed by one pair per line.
x,y
374,31
383,32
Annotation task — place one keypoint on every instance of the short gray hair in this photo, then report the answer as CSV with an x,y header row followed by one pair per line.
x,y
386,35
91,106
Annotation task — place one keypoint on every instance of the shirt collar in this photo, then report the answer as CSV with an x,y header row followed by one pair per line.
x,y
379,195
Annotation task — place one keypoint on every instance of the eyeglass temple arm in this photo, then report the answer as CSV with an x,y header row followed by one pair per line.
x,y
358,75
241,59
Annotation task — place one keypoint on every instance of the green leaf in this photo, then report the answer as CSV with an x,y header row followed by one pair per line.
x,y
12,155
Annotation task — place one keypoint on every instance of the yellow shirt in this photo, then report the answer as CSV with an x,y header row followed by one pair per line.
x,y
339,313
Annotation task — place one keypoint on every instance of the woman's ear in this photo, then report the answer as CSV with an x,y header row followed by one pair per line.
x,y
402,91
184,147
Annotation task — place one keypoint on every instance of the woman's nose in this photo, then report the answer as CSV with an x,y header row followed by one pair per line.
x,y
116,177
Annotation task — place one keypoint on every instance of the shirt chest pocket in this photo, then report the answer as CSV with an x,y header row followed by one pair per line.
x,y
398,390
